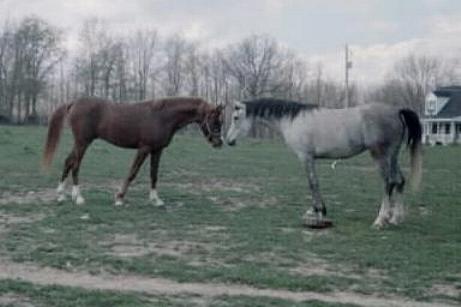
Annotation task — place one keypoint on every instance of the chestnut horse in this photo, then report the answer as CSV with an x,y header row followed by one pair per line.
x,y
146,126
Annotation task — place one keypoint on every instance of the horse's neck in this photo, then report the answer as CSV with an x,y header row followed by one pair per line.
x,y
273,123
185,115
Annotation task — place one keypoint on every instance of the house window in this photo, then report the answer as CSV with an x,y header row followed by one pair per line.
x,y
447,128
432,106
434,128
458,127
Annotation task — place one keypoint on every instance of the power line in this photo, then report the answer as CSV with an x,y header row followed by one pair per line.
x,y
348,65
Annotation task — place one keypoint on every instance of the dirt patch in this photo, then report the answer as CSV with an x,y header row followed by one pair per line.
x,y
321,268
8,220
11,299
230,204
44,196
313,266
129,245
156,286
446,290
200,186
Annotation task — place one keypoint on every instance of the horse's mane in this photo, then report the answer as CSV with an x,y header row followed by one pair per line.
x,y
275,108
163,103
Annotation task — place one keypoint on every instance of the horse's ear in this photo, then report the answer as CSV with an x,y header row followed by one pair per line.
x,y
220,108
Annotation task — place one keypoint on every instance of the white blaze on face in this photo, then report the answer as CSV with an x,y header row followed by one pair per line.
x,y
239,123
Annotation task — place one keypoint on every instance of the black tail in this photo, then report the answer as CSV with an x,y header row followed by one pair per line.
x,y
415,132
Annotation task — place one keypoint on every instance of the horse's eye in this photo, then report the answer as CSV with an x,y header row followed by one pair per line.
x,y
237,108
236,118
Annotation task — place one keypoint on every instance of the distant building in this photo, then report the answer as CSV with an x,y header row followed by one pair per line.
x,y
442,116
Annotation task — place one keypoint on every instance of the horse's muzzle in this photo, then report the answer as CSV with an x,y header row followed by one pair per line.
x,y
232,143
217,143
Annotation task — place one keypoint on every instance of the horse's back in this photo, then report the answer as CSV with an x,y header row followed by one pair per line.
x,y
341,133
92,118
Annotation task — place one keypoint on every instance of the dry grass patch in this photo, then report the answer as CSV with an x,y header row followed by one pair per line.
x,y
43,196
12,299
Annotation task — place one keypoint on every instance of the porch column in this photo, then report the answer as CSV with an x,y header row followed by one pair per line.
x,y
453,132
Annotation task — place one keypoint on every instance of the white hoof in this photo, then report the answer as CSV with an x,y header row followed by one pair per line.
x,y
309,214
159,203
153,197
378,224
61,188
76,195
61,198
396,219
118,202
80,200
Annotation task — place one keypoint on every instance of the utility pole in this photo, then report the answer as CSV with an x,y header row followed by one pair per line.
x,y
348,65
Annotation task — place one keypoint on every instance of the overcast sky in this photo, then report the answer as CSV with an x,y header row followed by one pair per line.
x,y
378,31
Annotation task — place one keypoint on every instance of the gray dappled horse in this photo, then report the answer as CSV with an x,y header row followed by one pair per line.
x,y
314,133
147,126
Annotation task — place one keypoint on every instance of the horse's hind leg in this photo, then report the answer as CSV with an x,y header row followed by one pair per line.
x,y
398,210
67,167
385,212
138,161
80,150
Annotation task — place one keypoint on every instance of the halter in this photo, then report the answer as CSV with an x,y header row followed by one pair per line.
x,y
208,131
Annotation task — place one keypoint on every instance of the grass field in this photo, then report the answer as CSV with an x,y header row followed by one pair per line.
x,y
233,218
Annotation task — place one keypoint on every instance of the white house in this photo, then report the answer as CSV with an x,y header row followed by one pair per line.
x,y
442,116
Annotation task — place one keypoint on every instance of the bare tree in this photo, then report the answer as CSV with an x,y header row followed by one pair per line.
x,y
6,69
411,79
254,63
41,54
93,39
192,67
28,53
143,47
174,49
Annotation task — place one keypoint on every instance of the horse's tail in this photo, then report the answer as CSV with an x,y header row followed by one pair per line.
x,y
414,131
54,133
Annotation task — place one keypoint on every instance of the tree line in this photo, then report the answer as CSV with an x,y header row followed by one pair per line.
x,y
37,71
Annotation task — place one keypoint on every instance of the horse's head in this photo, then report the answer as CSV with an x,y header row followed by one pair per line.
x,y
211,125
239,125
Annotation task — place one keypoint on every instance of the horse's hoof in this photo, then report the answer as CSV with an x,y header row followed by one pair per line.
x,y
396,220
80,201
316,223
378,225
118,202
61,198
159,203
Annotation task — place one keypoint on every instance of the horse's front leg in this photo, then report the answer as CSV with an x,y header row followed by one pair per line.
x,y
315,217
154,163
138,161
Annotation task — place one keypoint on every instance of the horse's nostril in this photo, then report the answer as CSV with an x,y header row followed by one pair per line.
x,y
231,143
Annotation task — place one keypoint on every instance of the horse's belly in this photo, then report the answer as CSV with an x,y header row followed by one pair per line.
x,y
338,145
126,138
338,152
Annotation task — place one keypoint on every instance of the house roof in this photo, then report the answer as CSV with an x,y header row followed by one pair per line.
x,y
447,91
453,106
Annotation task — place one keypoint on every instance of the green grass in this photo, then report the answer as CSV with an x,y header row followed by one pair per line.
x,y
234,215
